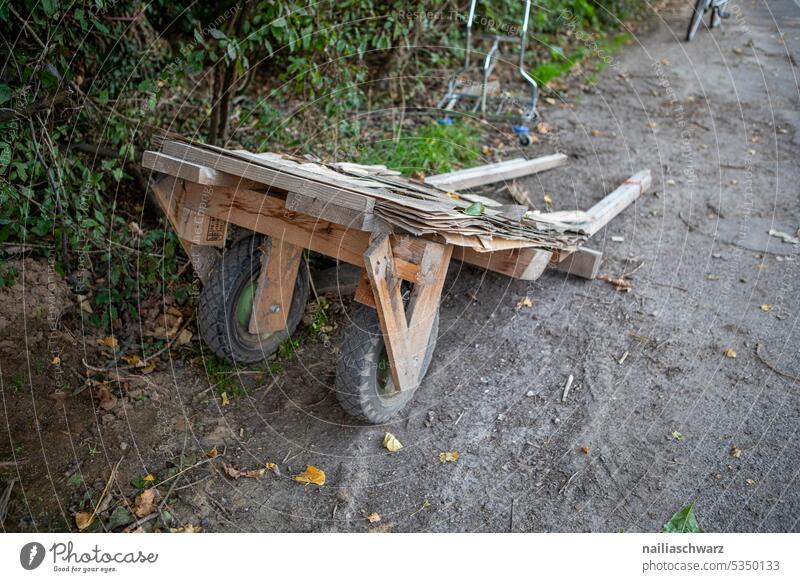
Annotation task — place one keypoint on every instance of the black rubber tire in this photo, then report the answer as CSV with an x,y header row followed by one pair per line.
x,y
697,18
216,316
524,140
357,383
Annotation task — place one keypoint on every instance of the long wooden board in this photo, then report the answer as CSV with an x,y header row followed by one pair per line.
x,y
491,173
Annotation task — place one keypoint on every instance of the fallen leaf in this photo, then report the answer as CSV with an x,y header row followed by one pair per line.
x,y
454,195
133,360
148,368
619,283
448,457
750,482
144,504
729,352
520,194
213,453
56,361
109,341
417,175
738,50
543,127
107,399
189,528
184,337
585,450
676,435
683,521
225,400
766,307
83,303
595,133
736,452
311,475
273,467
373,517
524,302
83,519
474,209
391,443
547,199
135,230
235,473
149,478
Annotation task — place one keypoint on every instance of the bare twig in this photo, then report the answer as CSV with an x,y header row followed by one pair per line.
x,y
4,500
772,367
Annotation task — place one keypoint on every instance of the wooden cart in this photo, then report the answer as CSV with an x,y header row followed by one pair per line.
x,y
245,224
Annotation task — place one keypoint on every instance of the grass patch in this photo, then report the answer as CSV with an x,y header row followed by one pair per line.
x,y
428,149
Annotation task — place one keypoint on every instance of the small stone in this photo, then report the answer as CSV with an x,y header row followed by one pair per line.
x,y
556,420
123,446
529,393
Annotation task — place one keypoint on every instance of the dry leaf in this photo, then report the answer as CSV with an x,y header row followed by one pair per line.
x,y
524,302
729,353
520,194
619,283
184,337
189,528
738,50
766,307
311,475
585,450
543,128
235,473
596,133
107,399
145,503
547,199
225,400
109,341
373,517
83,303
448,457
148,368
750,482
273,467
213,453
149,478
133,360
454,196
736,452
83,519
56,361
391,443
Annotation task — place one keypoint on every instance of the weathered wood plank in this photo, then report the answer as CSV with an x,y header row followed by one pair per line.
x,y
583,263
165,164
601,213
490,173
526,264
280,262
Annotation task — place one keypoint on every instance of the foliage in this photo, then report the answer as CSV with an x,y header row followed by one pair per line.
x,y
684,521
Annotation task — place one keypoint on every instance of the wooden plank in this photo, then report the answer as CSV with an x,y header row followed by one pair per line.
x,y
165,164
583,263
490,173
424,303
364,293
601,213
526,264
320,207
274,178
386,288
280,262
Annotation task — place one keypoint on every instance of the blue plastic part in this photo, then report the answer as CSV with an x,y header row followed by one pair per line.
x,y
445,121
520,128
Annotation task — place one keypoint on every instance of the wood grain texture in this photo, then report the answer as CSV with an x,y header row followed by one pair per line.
x,y
280,262
491,173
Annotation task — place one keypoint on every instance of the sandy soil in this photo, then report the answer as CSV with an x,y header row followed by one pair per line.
x,y
656,411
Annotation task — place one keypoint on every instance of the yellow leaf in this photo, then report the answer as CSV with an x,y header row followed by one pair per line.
x,y
273,467
373,517
83,519
454,195
225,400
148,368
133,360
750,482
109,341
448,457
56,361
311,475
729,353
149,477
524,302
766,307
547,199
391,443
212,454
186,529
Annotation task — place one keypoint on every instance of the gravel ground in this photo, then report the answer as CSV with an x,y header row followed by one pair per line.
x,y
658,415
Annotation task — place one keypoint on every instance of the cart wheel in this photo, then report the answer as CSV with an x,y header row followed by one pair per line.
x,y
364,383
227,302
524,140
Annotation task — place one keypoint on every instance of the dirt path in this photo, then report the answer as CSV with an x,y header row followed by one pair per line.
x,y
638,437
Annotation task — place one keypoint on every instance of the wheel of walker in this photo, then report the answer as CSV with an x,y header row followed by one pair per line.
x,y
524,140
226,304
364,384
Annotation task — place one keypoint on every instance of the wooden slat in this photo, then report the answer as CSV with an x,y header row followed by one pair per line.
x,y
526,264
490,173
601,213
165,164
272,301
583,263
364,291
379,264
321,208
311,186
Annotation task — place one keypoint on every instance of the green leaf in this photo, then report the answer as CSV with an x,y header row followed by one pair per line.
x,y
50,6
119,518
103,97
279,22
5,93
683,521
216,33
475,209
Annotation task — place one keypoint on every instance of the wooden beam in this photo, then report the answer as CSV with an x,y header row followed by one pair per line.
x,y
364,293
499,172
526,264
165,164
272,301
601,213
386,288
584,263
323,208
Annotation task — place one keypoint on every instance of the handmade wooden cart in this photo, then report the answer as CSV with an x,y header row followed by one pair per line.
x,y
244,220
